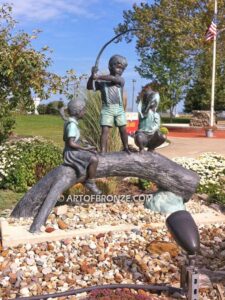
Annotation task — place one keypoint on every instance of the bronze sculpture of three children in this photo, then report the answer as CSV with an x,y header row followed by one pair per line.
x,y
84,160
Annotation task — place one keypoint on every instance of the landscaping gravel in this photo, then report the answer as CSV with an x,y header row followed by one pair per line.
x,y
147,255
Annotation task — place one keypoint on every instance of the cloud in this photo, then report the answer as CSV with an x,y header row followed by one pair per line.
x,y
43,10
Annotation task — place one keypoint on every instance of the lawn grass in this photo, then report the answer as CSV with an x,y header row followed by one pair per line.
x,y
8,199
47,126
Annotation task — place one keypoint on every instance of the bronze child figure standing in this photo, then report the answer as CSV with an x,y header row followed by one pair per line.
x,y
111,88
148,134
82,159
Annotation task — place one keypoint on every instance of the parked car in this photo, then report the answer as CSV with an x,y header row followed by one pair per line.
x,y
220,116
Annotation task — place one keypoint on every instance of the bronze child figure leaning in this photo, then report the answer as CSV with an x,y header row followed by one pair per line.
x,y
82,159
148,134
113,101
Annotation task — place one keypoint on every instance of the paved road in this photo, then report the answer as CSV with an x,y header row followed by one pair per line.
x,y
192,147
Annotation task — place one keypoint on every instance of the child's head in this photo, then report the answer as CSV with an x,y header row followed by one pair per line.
x,y
150,101
151,97
76,108
117,64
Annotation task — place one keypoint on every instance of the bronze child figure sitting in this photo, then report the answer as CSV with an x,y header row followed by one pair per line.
x,y
82,159
113,106
148,134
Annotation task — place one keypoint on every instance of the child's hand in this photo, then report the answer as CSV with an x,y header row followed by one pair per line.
x,y
94,70
92,149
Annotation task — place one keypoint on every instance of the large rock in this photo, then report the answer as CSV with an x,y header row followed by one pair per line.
x,y
200,118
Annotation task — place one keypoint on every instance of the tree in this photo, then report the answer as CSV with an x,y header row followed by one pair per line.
x,y
170,42
23,72
199,91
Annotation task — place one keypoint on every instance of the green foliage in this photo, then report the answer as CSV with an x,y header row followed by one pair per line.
x,y
164,130
24,72
215,191
211,169
50,108
24,162
42,109
90,125
6,122
175,120
199,91
144,184
172,51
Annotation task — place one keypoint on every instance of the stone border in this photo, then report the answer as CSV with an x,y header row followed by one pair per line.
x,y
13,236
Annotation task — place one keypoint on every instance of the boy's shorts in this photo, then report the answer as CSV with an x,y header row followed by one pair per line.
x,y
113,114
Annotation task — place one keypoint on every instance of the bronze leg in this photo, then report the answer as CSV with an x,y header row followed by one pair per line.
x,y
124,138
157,140
104,138
91,170
139,141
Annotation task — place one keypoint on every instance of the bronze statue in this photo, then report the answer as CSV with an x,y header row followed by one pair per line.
x,y
148,134
113,104
82,159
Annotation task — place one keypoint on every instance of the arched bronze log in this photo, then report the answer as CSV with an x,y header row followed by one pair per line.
x,y
168,175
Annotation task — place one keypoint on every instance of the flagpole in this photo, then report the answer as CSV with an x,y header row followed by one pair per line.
x,y
213,74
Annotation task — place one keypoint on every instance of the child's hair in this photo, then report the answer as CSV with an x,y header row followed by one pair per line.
x,y
118,59
152,97
75,107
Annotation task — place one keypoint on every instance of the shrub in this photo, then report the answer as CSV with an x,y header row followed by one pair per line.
x,y
179,120
42,109
164,130
24,162
50,108
6,126
145,184
211,169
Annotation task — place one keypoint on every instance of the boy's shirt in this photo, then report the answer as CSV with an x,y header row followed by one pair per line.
x,y
150,123
110,93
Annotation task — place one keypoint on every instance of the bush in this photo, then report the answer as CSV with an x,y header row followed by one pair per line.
x,y
211,169
42,109
50,108
176,120
164,130
6,127
144,184
24,162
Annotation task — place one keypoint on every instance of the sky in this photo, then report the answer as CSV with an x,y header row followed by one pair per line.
x,y
76,30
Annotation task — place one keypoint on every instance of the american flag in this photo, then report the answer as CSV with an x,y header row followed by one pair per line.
x,y
211,31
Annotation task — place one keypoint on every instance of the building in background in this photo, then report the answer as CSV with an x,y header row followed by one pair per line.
x,y
37,101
